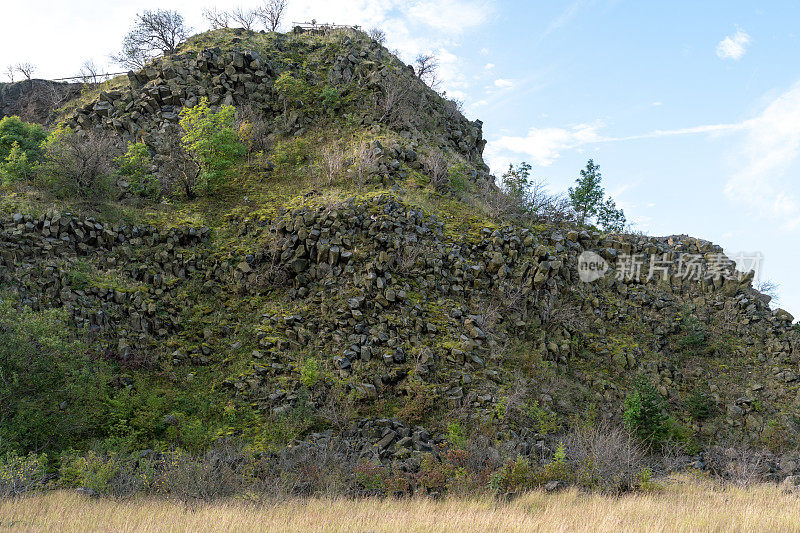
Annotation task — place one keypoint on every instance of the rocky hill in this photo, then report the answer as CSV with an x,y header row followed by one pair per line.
x,y
391,311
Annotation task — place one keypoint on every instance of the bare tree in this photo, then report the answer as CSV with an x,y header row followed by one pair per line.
x,y
153,32
216,19
426,67
770,289
271,13
26,69
377,34
246,18
89,72
10,73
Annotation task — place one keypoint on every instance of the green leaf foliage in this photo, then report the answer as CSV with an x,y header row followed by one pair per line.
x,y
54,392
210,139
27,136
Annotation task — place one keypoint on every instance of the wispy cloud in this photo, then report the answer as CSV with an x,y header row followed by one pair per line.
x,y
562,20
502,83
544,145
733,47
451,16
767,158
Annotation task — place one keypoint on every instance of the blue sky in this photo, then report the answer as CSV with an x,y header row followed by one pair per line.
x,y
691,109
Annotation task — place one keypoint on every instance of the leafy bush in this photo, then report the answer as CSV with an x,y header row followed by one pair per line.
x,y
211,140
16,167
456,435
91,470
20,473
645,413
53,393
293,92
309,372
135,166
514,476
25,135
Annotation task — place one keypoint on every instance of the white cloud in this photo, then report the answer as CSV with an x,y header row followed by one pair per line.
x,y
733,47
501,83
542,146
489,66
484,51
656,104
451,16
767,160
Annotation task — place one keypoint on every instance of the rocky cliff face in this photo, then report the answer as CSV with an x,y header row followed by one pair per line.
x,y
36,100
393,308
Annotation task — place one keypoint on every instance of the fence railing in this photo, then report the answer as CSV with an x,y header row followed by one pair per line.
x,y
312,26
105,76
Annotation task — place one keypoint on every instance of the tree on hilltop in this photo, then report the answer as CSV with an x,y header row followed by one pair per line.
x,y
153,32
272,12
589,200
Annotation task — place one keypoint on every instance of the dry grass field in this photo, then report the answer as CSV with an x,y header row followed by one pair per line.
x,y
683,505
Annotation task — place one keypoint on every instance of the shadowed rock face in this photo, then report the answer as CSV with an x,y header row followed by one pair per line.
x,y
36,100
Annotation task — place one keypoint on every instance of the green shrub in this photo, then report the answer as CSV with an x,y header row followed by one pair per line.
x,y
514,476
645,414
53,393
135,166
291,153
293,92
16,167
457,176
21,473
371,477
330,98
694,337
309,372
90,470
699,405
211,140
456,435
25,135
546,421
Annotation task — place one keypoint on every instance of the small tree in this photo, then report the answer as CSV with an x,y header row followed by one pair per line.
x,y
216,19
378,35
89,72
516,182
588,195
272,12
135,166
16,166
246,18
645,414
211,140
153,32
588,200
26,69
77,163
611,218
10,73
426,67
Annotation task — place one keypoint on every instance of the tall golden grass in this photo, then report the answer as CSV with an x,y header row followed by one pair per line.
x,y
683,505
